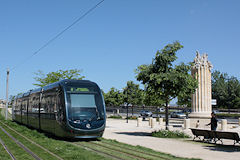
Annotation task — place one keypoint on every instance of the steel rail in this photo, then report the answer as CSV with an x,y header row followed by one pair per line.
x,y
7,150
21,145
53,154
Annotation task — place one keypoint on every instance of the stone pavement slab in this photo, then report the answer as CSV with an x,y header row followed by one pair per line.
x,y
131,134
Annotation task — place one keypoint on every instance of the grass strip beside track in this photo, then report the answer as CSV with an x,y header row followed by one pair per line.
x,y
116,154
20,144
122,151
132,151
54,156
105,154
17,151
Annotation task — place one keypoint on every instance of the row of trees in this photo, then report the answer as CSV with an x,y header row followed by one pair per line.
x,y
226,90
131,95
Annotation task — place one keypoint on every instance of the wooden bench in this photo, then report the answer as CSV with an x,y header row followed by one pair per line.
x,y
209,135
227,135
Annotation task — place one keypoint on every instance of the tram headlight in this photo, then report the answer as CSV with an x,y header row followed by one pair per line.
x,y
88,125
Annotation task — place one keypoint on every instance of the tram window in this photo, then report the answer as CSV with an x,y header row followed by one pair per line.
x,y
83,100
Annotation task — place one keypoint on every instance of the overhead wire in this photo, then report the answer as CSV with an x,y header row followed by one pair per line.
x,y
58,35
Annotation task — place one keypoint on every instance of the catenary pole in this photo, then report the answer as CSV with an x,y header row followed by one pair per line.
x,y
6,116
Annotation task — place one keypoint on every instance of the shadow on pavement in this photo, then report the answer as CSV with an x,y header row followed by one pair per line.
x,y
135,133
218,147
223,148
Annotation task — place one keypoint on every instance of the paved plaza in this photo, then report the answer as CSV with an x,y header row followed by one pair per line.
x,y
131,134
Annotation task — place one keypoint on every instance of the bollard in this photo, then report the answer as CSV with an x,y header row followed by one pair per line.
x,y
160,121
224,124
186,123
139,121
118,112
149,121
153,122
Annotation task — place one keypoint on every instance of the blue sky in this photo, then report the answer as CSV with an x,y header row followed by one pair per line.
x,y
114,39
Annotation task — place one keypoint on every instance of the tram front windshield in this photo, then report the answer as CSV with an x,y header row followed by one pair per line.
x,y
84,104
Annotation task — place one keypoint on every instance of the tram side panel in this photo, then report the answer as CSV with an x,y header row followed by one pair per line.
x,y
60,115
47,116
24,110
33,111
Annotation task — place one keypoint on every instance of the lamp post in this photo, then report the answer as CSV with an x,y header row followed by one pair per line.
x,y
127,112
6,113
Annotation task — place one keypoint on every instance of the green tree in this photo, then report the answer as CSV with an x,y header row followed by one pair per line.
x,y
164,79
226,90
133,94
45,79
114,97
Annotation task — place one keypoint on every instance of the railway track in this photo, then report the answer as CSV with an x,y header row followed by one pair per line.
x,y
119,152
151,155
23,146
105,154
7,150
56,156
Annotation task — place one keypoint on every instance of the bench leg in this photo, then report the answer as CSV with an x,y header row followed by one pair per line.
x,y
218,140
196,137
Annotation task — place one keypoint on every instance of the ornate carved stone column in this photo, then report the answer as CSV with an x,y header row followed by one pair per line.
x,y
201,99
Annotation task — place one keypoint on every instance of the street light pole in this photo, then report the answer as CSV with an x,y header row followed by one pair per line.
x,y
127,113
6,113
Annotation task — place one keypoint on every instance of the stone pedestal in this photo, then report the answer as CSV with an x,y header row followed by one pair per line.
x,y
201,99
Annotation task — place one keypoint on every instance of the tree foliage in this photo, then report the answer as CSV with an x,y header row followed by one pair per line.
x,y
150,98
133,94
226,90
164,79
113,98
45,79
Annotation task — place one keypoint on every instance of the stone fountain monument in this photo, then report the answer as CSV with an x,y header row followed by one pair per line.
x,y
201,99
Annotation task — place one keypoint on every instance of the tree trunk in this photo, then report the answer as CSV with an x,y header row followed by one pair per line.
x,y
166,115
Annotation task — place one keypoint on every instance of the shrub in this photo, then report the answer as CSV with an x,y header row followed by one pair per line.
x,y
169,134
132,117
116,117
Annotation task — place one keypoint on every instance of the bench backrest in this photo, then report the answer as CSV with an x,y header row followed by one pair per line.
x,y
215,134
202,132
227,135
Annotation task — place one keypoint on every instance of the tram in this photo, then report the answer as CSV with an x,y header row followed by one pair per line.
x,y
68,108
